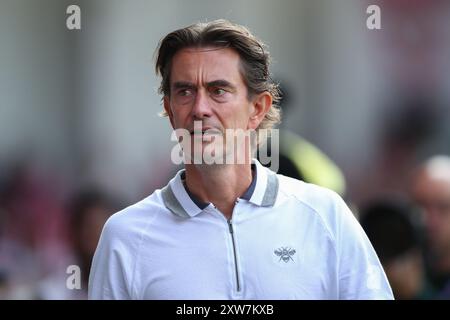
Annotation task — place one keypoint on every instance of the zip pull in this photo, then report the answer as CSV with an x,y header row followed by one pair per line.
x,y
230,226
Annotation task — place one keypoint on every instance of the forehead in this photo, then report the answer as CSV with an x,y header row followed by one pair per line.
x,y
209,63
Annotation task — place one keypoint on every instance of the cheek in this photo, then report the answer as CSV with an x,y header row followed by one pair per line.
x,y
243,120
179,117
242,114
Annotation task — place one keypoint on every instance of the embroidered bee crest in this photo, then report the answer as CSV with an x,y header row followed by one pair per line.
x,y
285,254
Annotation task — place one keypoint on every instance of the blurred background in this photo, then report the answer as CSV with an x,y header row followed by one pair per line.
x,y
80,135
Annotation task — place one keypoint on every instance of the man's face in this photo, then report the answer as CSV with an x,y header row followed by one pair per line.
x,y
206,85
432,193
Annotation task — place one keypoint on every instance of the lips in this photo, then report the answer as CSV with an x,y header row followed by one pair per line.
x,y
207,130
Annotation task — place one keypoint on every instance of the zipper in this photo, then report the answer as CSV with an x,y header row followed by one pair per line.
x,y
230,226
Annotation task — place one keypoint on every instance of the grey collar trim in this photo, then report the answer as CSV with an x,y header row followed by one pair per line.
x,y
171,202
268,200
270,196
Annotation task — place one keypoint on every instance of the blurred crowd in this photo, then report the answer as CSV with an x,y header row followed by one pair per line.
x,y
412,235
44,230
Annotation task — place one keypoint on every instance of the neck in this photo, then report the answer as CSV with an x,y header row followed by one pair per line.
x,y
219,184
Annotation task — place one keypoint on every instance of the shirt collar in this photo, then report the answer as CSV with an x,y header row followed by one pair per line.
x,y
262,192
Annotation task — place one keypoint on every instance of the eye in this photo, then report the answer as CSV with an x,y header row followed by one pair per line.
x,y
185,92
219,91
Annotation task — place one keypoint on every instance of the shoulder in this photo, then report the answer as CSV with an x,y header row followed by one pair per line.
x,y
317,198
128,224
118,251
321,202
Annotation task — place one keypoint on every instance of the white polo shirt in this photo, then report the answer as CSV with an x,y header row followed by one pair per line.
x,y
287,240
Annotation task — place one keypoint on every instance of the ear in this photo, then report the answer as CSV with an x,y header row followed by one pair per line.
x,y
260,106
166,102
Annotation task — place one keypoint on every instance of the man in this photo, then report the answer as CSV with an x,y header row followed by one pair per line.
x,y
230,230
431,190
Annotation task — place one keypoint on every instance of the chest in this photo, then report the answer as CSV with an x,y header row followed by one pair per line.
x,y
249,259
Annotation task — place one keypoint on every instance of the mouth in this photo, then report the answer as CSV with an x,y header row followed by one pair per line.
x,y
206,131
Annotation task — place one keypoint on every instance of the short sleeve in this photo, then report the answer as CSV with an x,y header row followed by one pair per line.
x,y
360,273
111,271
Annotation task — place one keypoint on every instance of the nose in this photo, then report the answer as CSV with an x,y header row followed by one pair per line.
x,y
201,108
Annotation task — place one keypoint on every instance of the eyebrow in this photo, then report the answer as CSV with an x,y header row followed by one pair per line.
x,y
215,83
183,85
221,83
